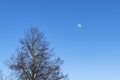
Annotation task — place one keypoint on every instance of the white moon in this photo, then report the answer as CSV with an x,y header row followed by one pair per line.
x,y
79,25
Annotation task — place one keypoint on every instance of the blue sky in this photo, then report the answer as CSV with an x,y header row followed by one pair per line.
x,y
91,52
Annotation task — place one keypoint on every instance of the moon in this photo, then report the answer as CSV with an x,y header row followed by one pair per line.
x,y
79,25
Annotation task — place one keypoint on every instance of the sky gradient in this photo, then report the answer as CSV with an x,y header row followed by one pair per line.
x,y
91,52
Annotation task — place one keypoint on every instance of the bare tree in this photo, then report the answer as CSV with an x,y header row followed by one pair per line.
x,y
34,60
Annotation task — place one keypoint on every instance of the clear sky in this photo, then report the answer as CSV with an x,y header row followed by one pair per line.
x,y
91,52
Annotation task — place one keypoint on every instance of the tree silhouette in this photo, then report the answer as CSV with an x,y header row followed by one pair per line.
x,y
34,60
